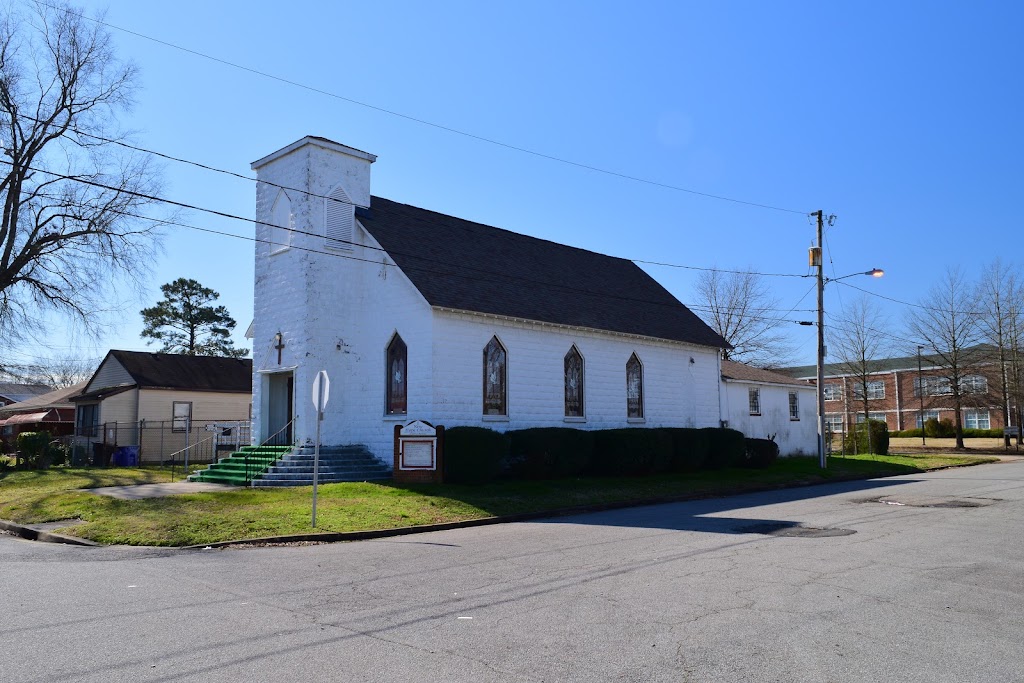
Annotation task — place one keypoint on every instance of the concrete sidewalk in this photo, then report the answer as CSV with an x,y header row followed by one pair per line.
x,y
140,491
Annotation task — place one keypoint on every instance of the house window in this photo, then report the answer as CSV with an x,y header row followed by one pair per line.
x,y
634,388
831,392
397,381
181,416
573,383
928,415
794,405
88,419
755,401
875,389
932,386
495,379
834,423
977,419
874,416
974,384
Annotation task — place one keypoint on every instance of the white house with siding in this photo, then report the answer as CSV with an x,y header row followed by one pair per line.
x,y
160,401
420,315
764,404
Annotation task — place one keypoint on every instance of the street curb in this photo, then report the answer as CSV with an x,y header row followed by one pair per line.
x,y
370,534
31,534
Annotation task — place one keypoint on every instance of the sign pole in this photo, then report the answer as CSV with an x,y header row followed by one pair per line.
x,y
321,392
316,458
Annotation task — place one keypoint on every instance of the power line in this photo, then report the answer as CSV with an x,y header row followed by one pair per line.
x,y
308,193
487,273
425,122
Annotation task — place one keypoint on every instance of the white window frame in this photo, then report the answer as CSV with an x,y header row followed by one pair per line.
x,y
177,419
754,400
973,415
832,391
872,415
836,422
928,414
974,384
794,406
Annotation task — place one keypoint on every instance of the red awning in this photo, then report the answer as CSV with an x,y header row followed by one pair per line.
x,y
32,418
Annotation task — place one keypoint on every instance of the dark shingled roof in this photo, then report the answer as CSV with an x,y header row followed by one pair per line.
x,y
748,373
462,265
18,392
194,373
973,354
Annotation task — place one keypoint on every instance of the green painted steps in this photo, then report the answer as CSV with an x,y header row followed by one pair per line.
x,y
232,469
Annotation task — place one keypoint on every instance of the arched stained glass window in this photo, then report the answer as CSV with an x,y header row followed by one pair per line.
x,y
397,377
573,383
634,387
495,379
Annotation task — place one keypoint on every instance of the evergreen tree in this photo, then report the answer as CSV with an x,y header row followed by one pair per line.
x,y
185,321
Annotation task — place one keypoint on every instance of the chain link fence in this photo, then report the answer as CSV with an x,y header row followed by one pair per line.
x,y
159,442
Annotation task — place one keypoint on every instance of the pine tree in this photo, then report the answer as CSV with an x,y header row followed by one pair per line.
x,y
186,322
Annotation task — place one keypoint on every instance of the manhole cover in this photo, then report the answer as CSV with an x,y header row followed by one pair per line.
x,y
794,530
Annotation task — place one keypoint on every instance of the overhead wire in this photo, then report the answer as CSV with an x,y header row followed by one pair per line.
x,y
338,200
486,274
449,129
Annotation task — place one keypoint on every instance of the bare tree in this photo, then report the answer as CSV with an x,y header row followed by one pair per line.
x,y
70,196
947,321
998,297
740,307
857,340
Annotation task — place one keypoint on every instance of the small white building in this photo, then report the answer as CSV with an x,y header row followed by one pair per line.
x,y
419,315
767,405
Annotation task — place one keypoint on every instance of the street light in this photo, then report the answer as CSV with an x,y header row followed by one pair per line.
x,y
815,260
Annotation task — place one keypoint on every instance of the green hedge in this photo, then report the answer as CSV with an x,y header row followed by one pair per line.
x,y
968,433
939,429
631,452
34,448
549,453
728,448
876,441
473,455
761,453
690,448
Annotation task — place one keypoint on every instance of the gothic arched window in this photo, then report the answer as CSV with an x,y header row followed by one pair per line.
x,y
397,377
573,383
495,379
634,388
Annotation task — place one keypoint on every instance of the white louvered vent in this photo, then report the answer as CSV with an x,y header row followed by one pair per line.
x,y
339,219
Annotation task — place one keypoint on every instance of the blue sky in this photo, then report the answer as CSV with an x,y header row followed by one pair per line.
x,y
903,119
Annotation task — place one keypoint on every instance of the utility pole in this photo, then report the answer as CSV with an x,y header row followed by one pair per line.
x,y
920,391
817,256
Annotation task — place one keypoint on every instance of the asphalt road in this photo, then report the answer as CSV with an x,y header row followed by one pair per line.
x,y
924,590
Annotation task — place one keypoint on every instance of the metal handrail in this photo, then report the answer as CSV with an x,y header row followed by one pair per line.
x,y
174,455
248,467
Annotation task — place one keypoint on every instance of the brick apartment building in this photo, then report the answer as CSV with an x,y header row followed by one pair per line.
x,y
894,395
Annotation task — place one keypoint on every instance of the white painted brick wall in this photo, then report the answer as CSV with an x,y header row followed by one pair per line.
x,y
677,393
338,314
795,437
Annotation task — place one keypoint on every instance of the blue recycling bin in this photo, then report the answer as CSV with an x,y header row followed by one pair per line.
x,y
126,456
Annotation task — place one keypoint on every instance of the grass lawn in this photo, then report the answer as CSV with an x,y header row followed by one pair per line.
x,y
57,494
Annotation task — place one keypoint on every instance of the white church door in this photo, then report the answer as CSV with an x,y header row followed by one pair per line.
x,y
278,427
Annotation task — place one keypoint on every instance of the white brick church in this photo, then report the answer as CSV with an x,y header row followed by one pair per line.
x,y
419,315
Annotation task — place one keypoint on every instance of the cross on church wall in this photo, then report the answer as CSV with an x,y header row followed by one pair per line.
x,y
279,346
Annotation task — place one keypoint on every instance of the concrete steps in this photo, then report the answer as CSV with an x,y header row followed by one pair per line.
x,y
242,465
337,464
